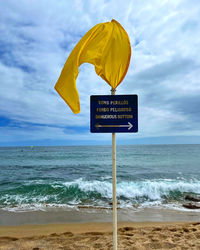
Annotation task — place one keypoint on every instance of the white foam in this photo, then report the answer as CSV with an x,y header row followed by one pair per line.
x,y
152,189
144,193
38,207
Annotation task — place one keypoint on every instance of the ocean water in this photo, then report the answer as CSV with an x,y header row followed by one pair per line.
x,y
39,178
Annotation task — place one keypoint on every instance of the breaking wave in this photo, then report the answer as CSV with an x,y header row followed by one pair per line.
x,y
97,193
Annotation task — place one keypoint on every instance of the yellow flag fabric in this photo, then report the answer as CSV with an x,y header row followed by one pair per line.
x,y
107,47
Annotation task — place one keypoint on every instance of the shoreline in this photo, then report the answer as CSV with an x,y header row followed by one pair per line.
x,y
92,229
86,215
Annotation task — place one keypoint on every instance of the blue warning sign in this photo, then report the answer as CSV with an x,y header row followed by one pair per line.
x,y
114,113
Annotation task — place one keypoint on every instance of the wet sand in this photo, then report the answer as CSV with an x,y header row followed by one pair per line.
x,y
52,216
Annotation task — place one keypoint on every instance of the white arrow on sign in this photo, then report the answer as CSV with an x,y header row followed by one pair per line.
x,y
129,126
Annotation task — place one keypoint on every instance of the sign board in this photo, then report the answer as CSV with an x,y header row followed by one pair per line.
x,y
114,113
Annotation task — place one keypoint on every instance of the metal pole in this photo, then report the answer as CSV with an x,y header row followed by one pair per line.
x,y
114,186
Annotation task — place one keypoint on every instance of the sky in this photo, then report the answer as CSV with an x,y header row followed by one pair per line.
x,y
36,37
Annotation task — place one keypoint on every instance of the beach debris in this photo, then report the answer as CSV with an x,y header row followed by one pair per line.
x,y
94,207
191,205
192,198
194,204
110,203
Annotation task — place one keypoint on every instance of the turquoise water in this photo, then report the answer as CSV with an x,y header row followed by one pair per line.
x,y
33,178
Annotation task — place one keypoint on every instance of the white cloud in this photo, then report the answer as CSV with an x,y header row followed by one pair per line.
x,y
37,36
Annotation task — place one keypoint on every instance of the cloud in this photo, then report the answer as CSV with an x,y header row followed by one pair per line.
x,y
37,37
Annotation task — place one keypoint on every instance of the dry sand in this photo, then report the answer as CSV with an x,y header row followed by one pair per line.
x,y
144,235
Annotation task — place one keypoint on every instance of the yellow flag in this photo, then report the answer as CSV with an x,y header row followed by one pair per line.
x,y
107,47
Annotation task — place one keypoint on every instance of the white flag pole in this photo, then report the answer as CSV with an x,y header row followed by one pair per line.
x,y
114,186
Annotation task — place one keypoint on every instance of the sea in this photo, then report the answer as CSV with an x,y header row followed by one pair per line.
x,y
41,178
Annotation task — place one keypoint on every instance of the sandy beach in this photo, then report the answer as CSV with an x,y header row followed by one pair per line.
x,y
143,235
89,229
